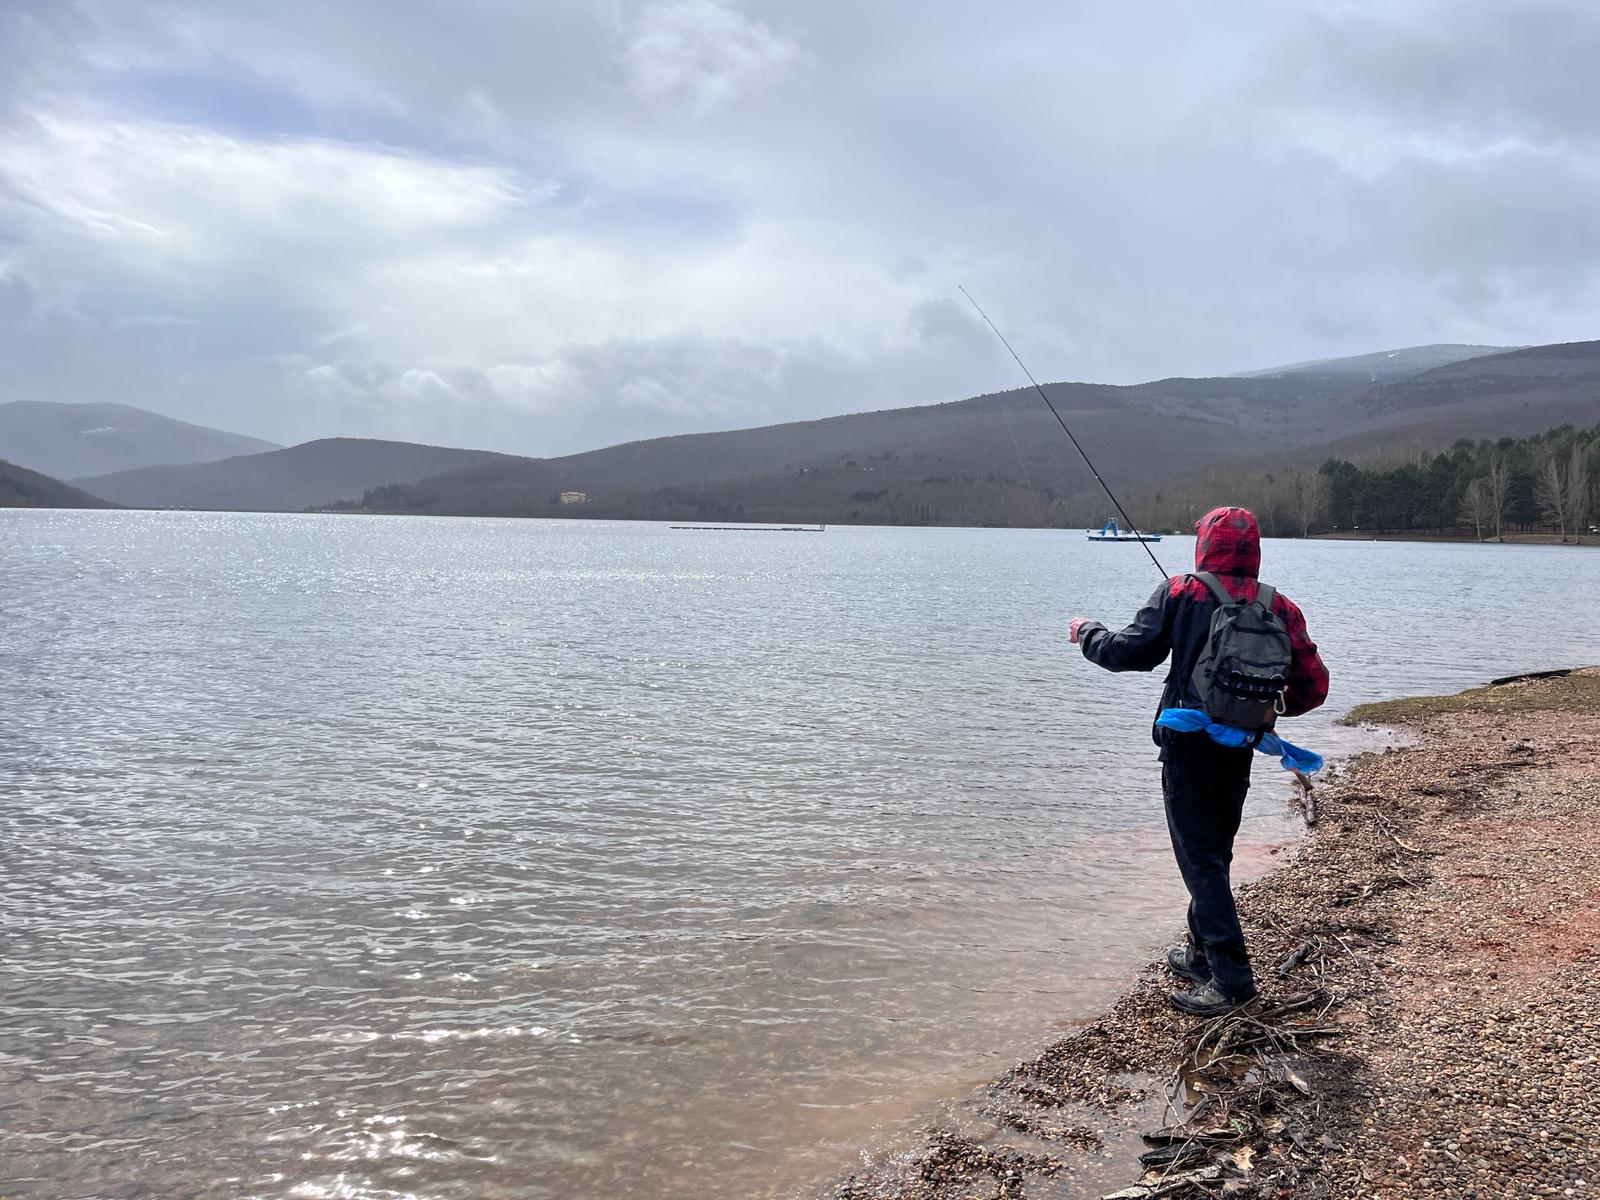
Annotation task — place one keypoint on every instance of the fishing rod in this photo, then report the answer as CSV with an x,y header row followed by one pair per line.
x,y
1075,444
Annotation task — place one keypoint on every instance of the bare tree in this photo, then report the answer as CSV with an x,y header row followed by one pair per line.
x,y
1478,504
1551,490
1578,484
1498,484
1269,504
1307,492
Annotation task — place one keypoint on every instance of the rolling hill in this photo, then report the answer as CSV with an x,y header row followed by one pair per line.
x,y
74,440
1000,459
992,459
299,477
1511,394
963,462
1383,365
22,488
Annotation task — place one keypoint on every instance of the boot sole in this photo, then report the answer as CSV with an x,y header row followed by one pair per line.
x,y
1213,1010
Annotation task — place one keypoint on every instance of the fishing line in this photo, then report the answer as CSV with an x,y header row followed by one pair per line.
x,y
1017,446
1079,448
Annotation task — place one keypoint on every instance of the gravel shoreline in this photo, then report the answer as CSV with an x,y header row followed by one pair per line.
x,y
1428,1025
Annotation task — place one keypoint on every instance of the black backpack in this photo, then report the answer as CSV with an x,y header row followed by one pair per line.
x,y
1244,665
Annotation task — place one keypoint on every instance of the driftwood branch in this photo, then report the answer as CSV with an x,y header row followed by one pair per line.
x,y
1505,679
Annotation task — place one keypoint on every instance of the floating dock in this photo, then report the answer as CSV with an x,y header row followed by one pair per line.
x,y
754,528
1110,533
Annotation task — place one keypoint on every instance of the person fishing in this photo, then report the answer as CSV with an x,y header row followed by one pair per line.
x,y
1237,665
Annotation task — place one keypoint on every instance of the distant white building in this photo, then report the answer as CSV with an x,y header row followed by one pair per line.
x,y
574,497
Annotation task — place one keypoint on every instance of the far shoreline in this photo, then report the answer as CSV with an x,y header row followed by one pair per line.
x,y
1584,540
1510,539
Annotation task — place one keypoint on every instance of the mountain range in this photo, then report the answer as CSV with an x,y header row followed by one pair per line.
x,y
993,459
70,440
303,476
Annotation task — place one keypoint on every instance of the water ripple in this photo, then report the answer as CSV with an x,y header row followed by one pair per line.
x,y
448,859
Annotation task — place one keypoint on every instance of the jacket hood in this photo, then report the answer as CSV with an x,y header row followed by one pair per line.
x,y
1228,543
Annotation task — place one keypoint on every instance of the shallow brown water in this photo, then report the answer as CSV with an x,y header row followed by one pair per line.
x,y
385,858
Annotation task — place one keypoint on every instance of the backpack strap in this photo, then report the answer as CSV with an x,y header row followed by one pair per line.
x,y
1215,584
1265,592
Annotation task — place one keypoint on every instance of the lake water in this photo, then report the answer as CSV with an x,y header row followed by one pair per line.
x,y
364,857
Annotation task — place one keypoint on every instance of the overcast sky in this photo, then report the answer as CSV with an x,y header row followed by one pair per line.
x,y
549,225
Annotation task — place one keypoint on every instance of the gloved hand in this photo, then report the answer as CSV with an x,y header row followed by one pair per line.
x,y
1075,628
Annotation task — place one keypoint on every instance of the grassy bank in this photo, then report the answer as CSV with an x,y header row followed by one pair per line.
x,y
1428,1023
1576,692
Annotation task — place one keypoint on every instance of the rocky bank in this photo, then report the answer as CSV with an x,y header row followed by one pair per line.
x,y
1430,1015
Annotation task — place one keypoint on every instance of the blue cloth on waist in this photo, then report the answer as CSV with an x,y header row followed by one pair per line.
x,y
1192,720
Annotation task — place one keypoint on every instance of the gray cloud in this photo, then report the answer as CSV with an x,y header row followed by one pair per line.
x,y
1469,73
553,226
39,49
937,321
19,300
702,54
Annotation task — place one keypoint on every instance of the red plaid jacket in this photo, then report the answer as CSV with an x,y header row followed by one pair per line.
x,y
1177,618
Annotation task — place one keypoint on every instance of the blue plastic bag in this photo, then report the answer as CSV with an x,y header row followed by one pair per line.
x,y
1192,720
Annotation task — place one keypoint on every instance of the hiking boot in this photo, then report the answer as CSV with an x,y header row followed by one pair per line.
x,y
1207,1001
1183,962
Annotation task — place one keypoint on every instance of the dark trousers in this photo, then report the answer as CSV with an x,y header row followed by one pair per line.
x,y
1205,786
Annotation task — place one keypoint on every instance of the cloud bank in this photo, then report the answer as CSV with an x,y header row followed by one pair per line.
x,y
550,227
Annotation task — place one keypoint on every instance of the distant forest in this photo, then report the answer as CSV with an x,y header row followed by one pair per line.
x,y
875,488
1547,483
